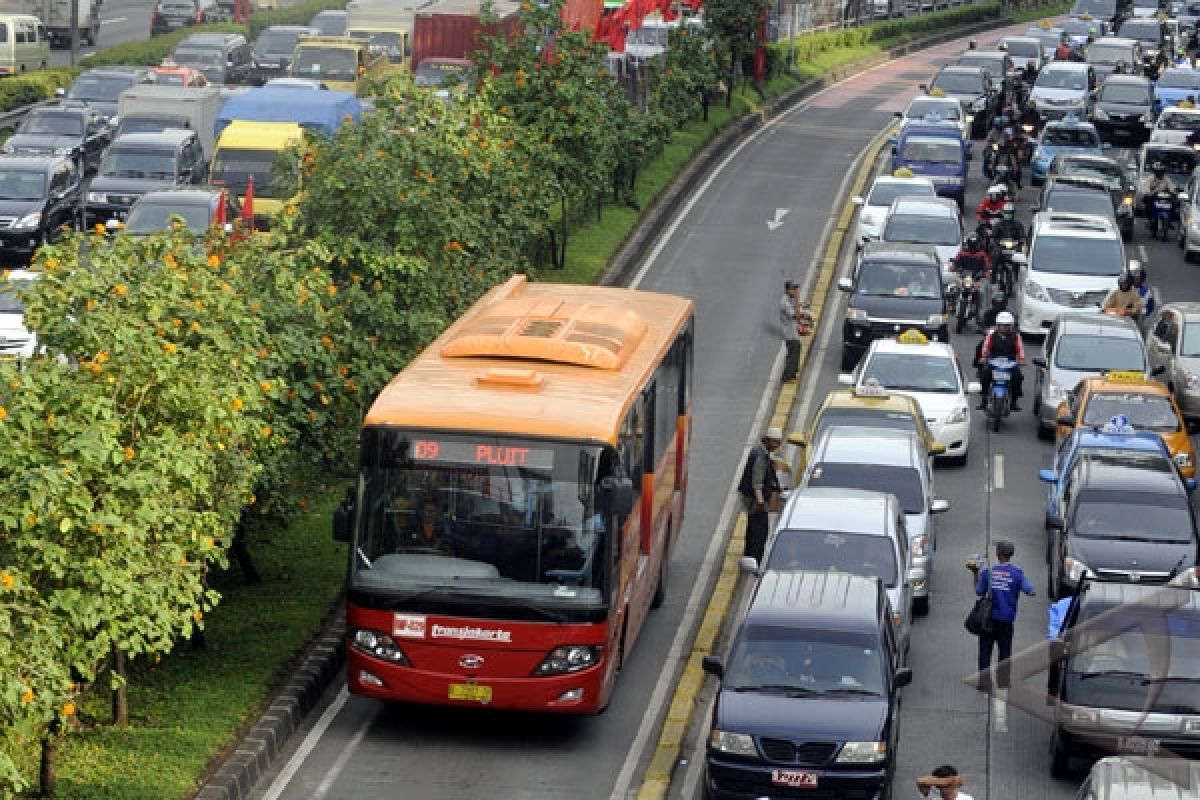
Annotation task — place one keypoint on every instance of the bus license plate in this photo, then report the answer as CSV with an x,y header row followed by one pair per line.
x,y
470,691
1138,745
794,778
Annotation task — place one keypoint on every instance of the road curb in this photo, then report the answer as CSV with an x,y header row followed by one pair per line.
x,y
657,778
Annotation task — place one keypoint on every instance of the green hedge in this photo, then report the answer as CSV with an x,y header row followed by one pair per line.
x,y
298,14
35,86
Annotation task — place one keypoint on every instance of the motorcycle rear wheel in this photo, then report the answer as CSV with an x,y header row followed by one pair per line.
x,y
999,411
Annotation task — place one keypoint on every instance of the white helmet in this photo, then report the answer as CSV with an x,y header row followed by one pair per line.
x,y
1005,318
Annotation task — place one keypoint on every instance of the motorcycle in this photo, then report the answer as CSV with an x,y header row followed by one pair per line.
x,y
1005,264
989,161
999,400
1164,208
966,301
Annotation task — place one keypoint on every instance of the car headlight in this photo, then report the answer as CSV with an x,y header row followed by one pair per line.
x,y
735,744
862,753
97,197
63,151
379,645
1100,113
1076,569
936,320
1078,715
1183,459
958,416
1035,291
856,314
920,545
569,658
29,220
1191,725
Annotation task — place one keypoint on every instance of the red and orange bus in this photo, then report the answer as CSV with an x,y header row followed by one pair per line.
x,y
521,484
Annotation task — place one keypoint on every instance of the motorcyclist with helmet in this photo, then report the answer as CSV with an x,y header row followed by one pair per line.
x,y
1003,341
1141,282
1064,52
998,305
1124,300
992,205
1007,226
1159,182
972,259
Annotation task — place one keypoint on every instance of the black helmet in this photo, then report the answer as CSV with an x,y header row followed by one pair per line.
x,y
999,299
1125,281
972,241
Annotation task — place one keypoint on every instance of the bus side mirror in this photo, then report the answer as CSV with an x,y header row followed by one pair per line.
x,y
343,521
620,495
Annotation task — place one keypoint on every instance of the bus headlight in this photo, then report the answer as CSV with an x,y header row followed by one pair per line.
x,y
736,744
378,645
569,658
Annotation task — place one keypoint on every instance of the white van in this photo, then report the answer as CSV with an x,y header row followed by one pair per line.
x,y
24,46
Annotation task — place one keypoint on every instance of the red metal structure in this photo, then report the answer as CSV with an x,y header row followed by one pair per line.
x,y
241,12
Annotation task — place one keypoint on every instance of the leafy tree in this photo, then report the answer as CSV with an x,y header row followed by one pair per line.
x,y
734,26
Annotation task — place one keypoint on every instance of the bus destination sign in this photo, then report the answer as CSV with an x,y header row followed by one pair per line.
x,y
482,454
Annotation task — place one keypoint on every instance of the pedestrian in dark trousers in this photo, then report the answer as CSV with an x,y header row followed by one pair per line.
x,y
758,484
789,323
1006,582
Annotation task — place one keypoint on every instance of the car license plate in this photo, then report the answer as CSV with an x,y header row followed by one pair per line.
x,y
1001,375
1162,205
1138,745
794,778
470,691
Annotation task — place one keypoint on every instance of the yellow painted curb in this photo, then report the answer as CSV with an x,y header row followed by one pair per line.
x,y
656,780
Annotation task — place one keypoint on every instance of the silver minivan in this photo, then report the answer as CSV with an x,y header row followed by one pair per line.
x,y
1126,778
851,531
891,461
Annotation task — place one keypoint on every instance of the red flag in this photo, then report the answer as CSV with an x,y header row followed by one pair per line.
x,y
221,212
248,205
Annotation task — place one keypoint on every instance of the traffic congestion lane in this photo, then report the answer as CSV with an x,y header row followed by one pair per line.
x,y
723,254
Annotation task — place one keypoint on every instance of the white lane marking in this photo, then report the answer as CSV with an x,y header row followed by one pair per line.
x,y
998,471
114,20
780,213
343,758
1142,253
306,747
697,601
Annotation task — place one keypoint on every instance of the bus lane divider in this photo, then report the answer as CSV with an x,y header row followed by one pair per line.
x,y
819,285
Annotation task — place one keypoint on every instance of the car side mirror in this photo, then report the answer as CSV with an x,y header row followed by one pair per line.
x,y
937,449
748,565
1047,475
713,666
1055,522
904,676
939,506
974,387
797,439
1190,484
1159,370
1039,361
845,285
1066,419
343,520
845,379
856,200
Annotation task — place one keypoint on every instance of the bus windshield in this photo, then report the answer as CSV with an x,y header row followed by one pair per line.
x,y
508,522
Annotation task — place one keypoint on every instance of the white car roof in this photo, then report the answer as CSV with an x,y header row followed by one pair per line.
x,y
925,206
942,349
1083,226
840,444
916,180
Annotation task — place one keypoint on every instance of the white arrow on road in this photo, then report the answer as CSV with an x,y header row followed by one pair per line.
x,y
780,213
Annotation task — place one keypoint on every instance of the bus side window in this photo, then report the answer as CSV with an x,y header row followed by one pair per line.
x,y
685,377
22,34
631,445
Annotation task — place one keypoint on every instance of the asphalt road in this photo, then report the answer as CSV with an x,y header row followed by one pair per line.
x,y
121,21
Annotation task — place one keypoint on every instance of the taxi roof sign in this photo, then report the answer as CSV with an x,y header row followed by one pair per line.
x,y
1125,376
1045,25
870,388
1084,16
1118,424
912,336
937,92
903,172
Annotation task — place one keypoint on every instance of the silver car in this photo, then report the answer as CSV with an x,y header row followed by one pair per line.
x,y
885,460
848,530
1173,344
1123,778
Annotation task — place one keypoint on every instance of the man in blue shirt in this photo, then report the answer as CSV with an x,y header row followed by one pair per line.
x,y
1006,582
1056,615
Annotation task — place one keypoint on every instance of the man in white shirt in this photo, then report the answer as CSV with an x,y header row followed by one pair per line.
x,y
946,780
789,327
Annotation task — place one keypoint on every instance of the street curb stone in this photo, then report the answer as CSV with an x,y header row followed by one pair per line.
x,y
324,657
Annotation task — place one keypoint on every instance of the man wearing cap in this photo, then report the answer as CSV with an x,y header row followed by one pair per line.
x,y
1005,582
789,323
757,485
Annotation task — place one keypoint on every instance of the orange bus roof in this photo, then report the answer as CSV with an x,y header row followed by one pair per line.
x,y
537,359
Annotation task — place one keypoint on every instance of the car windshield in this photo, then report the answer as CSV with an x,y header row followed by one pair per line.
x,y
1090,353
822,551
10,300
195,57
1020,49
138,123
931,150
1076,202
1179,79
648,36
1100,53
922,229
904,482
130,163
782,659
1070,137
882,194
1142,31
1177,162
339,64
1061,79
50,123
923,107
433,74
912,373
1077,255
960,82
1113,647
1190,346
1146,412
151,217
97,88
22,185
1112,174
1178,121
1130,94
280,43
888,279
1120,515
233,167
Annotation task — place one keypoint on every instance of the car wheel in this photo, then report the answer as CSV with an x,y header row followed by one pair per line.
x,y
921,606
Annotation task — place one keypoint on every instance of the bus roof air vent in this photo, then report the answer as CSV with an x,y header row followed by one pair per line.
x,y
585,335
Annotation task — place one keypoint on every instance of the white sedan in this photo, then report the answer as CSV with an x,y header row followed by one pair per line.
x,y
1175,125
874,207
930,373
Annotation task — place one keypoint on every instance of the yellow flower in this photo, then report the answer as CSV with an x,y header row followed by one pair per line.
x,y
14,384
266,431
68,709
343,370
262,352
195,326
327,342
50,420
169,347
6,580
214,260
3,412
331,290
94,368
237,404
98,228
129,453
177,322
102,357
120,290
90,304
31,519
50,265
265,386
169,260
197,615
27,696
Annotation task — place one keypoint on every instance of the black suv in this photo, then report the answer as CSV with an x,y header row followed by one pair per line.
x,y
1156,42
171,15
1124,108
224,58
1071,194
38,196
1124,518
100,88
998,64
199,207
809,696
974,90
895,287
1126,664
139,162
272,51
71,129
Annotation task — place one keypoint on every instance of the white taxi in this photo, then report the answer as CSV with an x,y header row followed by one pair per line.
x,y
1175,125
930,373
874,206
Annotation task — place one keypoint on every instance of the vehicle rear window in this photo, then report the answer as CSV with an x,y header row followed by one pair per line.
x,y
1019,50
1142,31
1111,174
1132,94
820,551
1075,202
1101,53
1179,79
960,82
865,418
1077,255
1177,162
884,193
276,42
922,107
921,229
931,150
1190,347
1070,137
1170,121
1089,353
904,482
1130,515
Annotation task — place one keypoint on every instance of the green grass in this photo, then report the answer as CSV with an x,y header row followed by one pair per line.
x,y
1041,12
193,704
